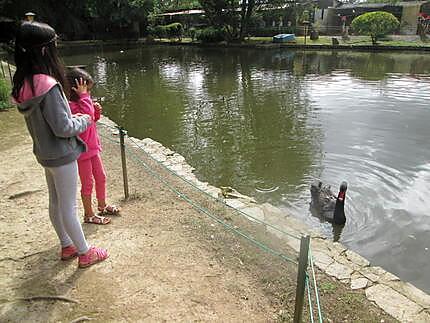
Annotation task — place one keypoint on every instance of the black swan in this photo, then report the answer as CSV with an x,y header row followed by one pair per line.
x,y
327,205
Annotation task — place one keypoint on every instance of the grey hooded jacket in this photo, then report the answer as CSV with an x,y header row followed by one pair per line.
x,y
53,128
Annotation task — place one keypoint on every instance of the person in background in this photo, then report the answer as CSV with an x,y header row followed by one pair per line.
x,y
29,16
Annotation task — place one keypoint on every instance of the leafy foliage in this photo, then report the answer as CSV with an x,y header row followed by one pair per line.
x,y
235,16
4,94
223,14
81,19
210,35
375,24
173,30
169,5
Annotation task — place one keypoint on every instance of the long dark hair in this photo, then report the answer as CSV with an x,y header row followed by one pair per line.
x,y
36,53
73,74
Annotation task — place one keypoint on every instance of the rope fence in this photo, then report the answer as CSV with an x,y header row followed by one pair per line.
x,y
304,262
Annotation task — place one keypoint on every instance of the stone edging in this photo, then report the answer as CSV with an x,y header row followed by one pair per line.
x,y
400,299
367,48
263,45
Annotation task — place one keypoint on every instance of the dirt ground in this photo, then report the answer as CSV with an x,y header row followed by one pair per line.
x,y
167,262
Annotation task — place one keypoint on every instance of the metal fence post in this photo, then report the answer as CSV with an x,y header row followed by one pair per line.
x,y
123,161
301,278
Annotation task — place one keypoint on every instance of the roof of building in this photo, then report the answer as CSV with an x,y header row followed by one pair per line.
x,y
201,11
183,12
380,5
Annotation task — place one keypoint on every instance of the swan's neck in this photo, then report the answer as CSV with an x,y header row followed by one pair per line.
x,y
339,209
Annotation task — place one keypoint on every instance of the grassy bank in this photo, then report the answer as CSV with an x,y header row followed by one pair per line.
x,y
361,43
352,41
323,42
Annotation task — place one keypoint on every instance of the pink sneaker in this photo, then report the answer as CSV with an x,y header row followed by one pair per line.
x,y
69,252
93,256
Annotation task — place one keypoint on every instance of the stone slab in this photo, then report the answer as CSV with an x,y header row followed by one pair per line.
x,y
394,303
339,271
255,213
359,283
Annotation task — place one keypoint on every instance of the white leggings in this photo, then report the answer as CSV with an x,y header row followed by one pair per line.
x,y
62,186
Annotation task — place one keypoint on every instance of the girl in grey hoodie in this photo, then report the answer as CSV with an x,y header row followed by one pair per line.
x,y
38,90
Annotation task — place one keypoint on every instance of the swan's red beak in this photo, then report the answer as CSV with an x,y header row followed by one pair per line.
x,y
341,196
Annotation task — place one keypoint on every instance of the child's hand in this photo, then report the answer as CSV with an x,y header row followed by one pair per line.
x,y
81,86
98,107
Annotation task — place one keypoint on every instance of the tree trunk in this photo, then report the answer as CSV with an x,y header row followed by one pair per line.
x,y
246,13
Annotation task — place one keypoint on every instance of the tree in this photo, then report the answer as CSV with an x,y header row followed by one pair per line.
x,y
375,24
235,15
222,14
248,9
76,19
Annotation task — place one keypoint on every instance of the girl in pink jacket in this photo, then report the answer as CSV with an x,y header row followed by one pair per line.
x,y
90,163
38,91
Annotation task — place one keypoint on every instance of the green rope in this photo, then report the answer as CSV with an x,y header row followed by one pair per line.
x,y
320,317
213,217
226,225
204,192
309,299
213,197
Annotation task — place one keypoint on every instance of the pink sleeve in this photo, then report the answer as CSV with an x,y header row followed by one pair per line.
x,y
84,106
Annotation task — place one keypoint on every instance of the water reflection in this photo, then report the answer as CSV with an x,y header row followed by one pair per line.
x,y
258,120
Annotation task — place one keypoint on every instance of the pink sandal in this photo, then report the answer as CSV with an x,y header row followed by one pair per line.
x,y
109,210
93,256
96,219
69,252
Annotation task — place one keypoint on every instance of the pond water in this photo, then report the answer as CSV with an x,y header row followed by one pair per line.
x,y
270,122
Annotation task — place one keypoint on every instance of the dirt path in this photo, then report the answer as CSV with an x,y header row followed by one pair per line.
x,y
168,262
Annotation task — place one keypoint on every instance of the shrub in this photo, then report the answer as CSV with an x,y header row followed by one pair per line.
x,y
174,30
157,32
375,24
192,33
210,35
170,31
4,94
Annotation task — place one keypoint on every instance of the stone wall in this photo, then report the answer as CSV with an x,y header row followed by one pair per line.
x,y
408,23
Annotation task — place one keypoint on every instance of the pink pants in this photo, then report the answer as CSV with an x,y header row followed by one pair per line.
x,y
92,168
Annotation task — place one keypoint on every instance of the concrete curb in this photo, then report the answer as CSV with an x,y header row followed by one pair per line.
x,y
367,48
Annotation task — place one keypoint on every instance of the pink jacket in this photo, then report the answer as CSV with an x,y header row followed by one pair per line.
x,y
89,136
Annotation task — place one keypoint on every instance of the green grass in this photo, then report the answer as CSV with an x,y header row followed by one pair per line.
x,y
353,41
4,94
328,287
323,40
